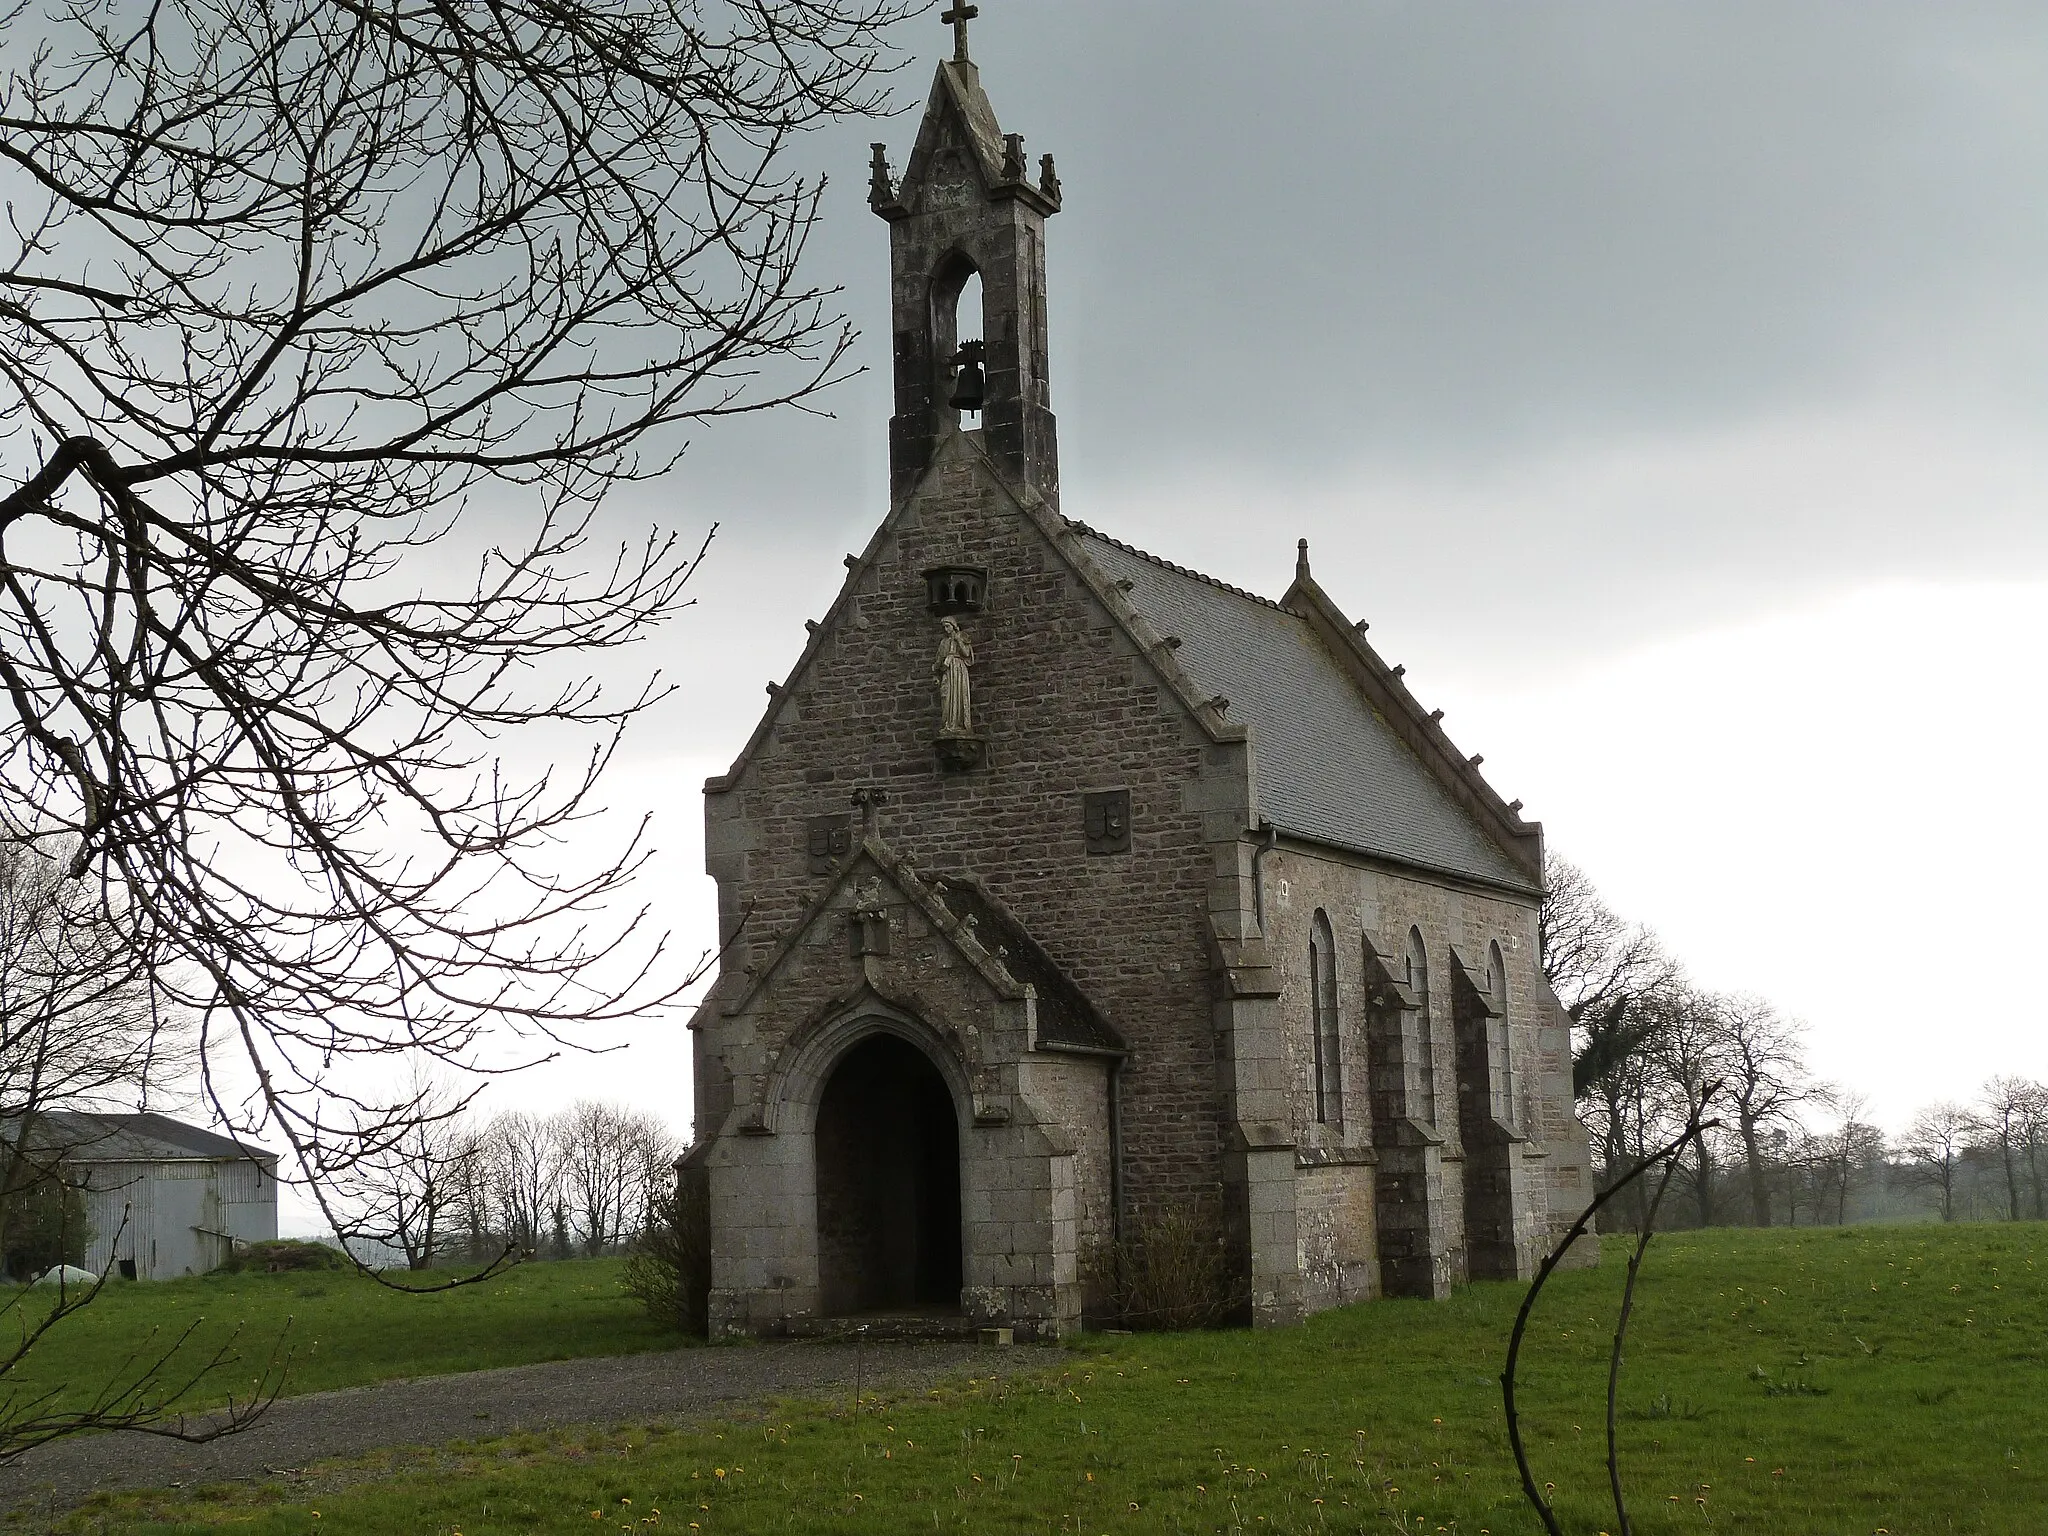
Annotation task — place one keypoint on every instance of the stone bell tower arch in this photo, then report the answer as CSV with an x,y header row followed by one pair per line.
x,y
969,204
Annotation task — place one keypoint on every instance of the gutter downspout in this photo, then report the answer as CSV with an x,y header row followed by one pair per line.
x,y
1116,1152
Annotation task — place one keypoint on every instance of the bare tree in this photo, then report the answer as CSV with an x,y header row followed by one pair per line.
x,y
1611,976
1839,1154
408,1190
474,1207
1603,969
1934,1144
615,1163
2034,1143
1762,1060
290,294
2006,1111
1688,1047
81,1028
523,1158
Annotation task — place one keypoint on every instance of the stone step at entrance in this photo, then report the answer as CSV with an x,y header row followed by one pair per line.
x,y
912,1323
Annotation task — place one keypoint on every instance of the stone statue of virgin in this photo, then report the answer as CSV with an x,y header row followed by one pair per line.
x,y
956,655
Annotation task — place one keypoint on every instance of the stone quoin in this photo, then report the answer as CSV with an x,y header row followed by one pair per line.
x,y
1149,896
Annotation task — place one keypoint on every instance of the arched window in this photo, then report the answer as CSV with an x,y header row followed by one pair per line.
x,y
1322,973
1425,1044
1499,1043
958,317
969,314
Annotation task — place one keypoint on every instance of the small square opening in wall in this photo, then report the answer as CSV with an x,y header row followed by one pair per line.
x,y
1106,815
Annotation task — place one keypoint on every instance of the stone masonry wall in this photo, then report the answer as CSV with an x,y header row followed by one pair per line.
x,y
1066,706
1359,896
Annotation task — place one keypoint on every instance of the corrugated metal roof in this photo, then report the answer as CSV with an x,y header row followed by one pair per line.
x,y
1329,768
94,1138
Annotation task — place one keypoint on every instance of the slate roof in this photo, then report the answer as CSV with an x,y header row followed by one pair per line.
x,y
1065,1016
1329,768
91,1138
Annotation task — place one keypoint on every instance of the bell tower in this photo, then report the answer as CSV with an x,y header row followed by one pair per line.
x,y
968,206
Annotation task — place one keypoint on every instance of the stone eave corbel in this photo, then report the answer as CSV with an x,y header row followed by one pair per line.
x,y
1421,729
819,634
1204,708
1200,705
1030,989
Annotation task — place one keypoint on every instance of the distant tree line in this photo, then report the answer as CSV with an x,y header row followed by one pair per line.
x,y
1648,1043
454,1188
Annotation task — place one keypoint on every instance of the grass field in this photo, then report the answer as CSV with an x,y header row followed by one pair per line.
x,y
1873,1379
341,1329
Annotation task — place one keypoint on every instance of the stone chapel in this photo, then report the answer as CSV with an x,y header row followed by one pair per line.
x,y
1062,887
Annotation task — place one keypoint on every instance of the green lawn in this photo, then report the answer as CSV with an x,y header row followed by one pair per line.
x,y
341,1329
1874,1379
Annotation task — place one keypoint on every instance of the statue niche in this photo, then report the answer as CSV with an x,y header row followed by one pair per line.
x,y
959,749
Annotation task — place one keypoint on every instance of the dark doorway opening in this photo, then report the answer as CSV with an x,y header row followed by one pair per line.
x,y
888,1183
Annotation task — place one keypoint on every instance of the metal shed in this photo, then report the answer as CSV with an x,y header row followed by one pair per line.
x,y
167,1198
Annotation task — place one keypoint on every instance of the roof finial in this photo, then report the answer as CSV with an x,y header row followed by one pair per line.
x,y
1301,561
957,18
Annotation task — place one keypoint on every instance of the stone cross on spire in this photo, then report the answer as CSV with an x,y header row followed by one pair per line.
x,y
957,18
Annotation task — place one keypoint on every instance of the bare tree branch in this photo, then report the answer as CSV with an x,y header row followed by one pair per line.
x,y
291,297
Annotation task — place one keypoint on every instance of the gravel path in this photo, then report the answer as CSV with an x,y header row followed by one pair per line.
x,y
689,1383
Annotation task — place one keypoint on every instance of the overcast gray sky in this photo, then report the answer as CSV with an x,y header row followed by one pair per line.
x,y
1664,382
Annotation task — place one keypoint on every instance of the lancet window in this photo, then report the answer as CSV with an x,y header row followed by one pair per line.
x,y
1425,1031
1499,1039
1322,971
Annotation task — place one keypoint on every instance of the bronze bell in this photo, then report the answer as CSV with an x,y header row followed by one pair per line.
x,y
970,385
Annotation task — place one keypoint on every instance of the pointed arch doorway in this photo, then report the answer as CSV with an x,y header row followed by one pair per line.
x,y
888,1182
